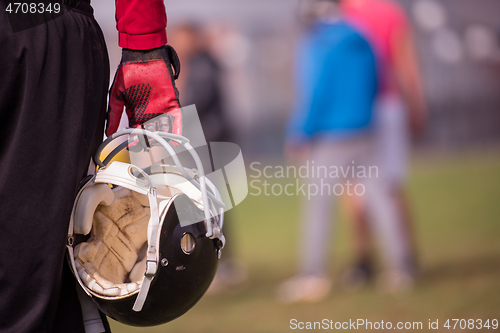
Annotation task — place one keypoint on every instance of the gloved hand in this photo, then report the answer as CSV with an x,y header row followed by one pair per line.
x,y
145,84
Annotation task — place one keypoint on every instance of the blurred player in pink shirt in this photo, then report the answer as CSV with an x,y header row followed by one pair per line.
x,y
400,109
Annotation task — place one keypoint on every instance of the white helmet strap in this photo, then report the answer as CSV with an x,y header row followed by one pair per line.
x,y
122,174
152,253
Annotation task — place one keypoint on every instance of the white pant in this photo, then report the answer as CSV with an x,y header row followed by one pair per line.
x,y
393,138
318,210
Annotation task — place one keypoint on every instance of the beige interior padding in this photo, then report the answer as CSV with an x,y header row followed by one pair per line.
x,y
92,197
112,262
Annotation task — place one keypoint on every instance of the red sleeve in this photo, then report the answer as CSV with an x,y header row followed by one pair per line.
x,y
141,24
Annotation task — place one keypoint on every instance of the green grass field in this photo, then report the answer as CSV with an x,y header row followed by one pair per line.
x,y
456,203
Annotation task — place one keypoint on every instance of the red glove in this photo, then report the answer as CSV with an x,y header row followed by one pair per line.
x,y
144,83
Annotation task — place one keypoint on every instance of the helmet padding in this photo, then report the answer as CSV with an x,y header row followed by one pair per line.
x,y
116,246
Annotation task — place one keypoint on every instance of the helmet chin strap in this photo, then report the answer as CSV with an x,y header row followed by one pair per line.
x,y
152,253
122,175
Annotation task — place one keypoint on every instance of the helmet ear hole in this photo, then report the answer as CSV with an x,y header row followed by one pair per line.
x,y
188,243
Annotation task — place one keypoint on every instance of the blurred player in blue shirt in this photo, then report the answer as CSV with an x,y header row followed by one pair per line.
x,y
332,131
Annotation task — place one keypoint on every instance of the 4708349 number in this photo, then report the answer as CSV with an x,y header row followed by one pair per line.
x,y
471,324
33,8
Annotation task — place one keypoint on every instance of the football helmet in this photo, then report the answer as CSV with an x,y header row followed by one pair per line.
x,y
144,243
